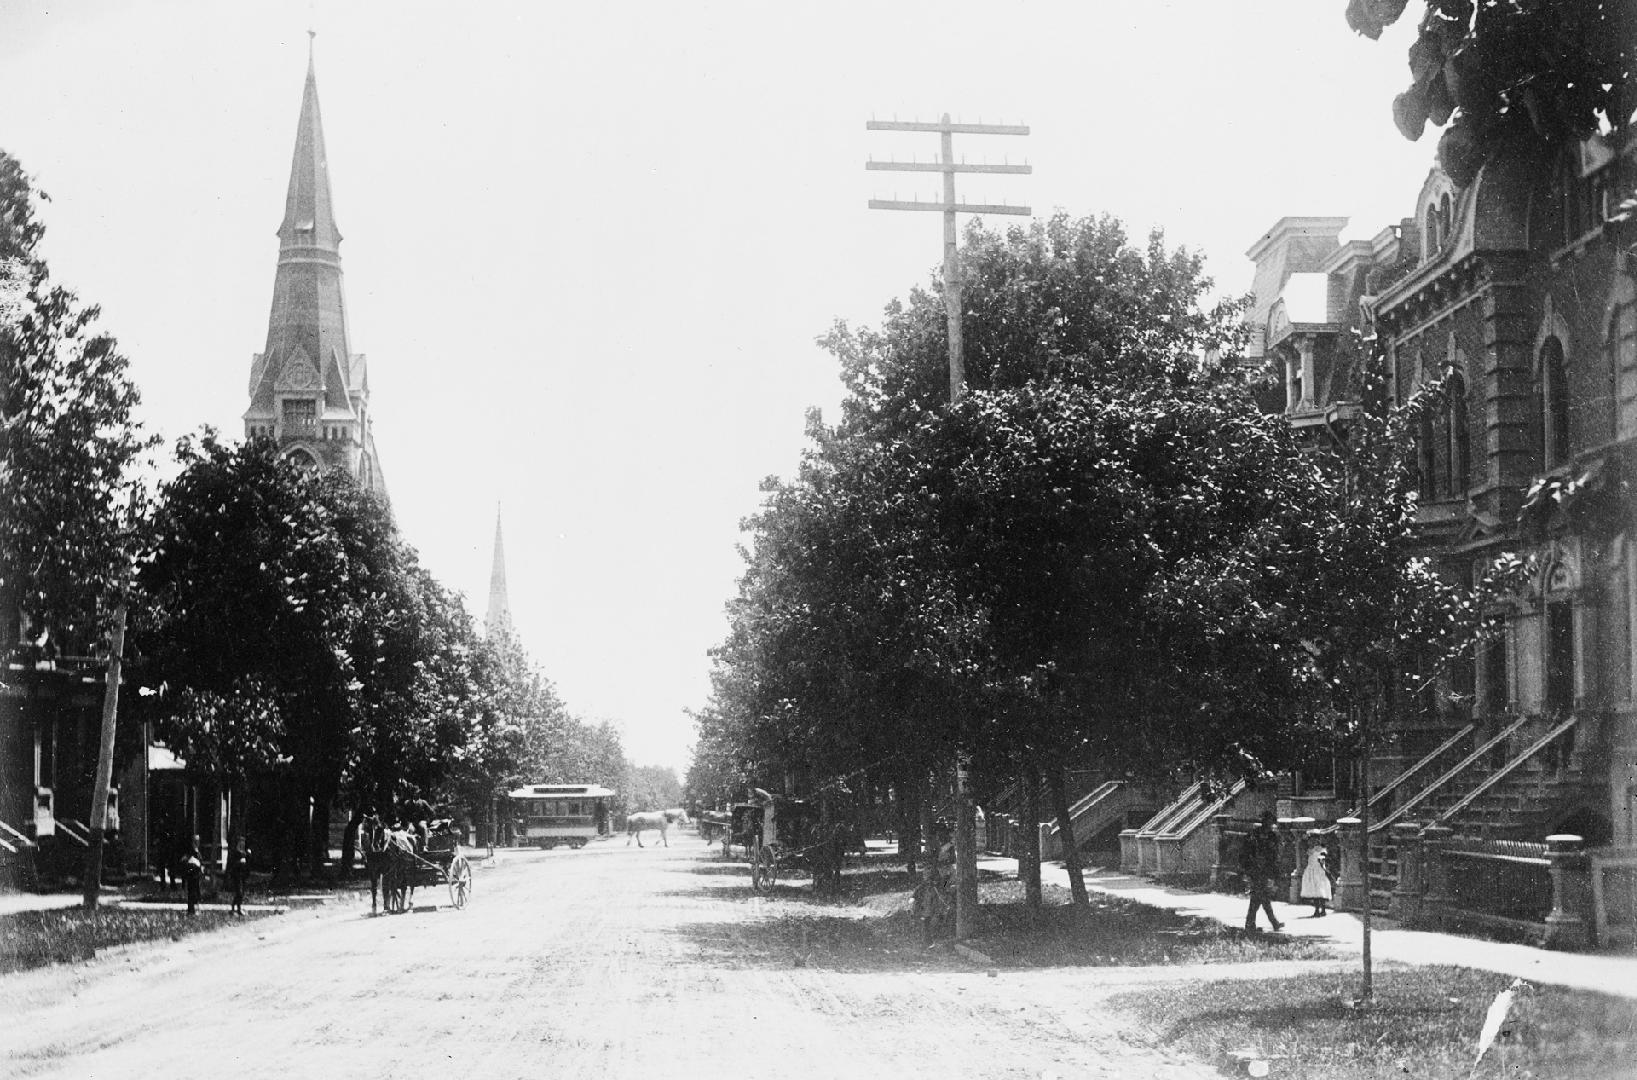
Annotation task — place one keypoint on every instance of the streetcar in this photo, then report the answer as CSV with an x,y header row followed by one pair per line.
x,y
552,814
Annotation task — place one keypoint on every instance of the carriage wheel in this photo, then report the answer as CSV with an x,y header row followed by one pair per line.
x,y
460,881
763,869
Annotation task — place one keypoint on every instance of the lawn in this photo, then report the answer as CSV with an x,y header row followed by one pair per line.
x,y
1114,931
30,939
1423,1023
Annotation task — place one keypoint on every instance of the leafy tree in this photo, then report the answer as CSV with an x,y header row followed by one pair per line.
x,y
652,787
1510,73
1105,552
249,589
68,442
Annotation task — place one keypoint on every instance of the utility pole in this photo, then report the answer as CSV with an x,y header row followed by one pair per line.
x,y
105,762
949,206
966,853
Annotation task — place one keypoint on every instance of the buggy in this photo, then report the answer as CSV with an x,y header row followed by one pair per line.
x,y
427,863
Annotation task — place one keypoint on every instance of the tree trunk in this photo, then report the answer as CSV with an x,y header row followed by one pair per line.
x,y
1028,864
929,831
904,793
349,842
966,853
1065,830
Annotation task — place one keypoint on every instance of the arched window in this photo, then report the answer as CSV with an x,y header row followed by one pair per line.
x,y
1446,219
1622,356
1426,457
1429,232
1460,449
1554,403
303,459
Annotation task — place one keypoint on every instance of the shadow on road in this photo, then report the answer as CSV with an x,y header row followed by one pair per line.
x,y
800,937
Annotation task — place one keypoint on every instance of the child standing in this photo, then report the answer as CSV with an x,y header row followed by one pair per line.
x,y
193,868
1316,880
238,867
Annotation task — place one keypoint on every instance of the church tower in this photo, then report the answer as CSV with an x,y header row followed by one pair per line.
x,y
499,618
308,391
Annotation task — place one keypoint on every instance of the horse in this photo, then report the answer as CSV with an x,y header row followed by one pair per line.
x,y
397,880
652,819
372,840
713,825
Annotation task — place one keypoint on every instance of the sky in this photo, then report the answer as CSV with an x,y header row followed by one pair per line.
x,y
588,247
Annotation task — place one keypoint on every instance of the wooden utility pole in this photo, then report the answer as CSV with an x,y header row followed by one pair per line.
x,y
966,855
105,762
949,206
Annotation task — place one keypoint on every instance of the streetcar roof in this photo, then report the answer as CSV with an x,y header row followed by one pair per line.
x,y
561,791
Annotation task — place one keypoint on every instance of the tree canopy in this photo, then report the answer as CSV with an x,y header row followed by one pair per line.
x,y
1104,552
69,441
1500,73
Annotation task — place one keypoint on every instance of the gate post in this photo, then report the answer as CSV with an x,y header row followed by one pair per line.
x,y
1220,868
1565,926
1299,827
1352,887
1405,905
1435,895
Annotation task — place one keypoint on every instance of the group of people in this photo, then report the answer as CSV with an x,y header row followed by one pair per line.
x,y
191,869
1259,865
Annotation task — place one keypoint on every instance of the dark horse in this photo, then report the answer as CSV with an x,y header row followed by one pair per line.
x,y
373,840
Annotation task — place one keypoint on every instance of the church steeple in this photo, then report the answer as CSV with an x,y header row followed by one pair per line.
x,y
309,211
499,618
308,390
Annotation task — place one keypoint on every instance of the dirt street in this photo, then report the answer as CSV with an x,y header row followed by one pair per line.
x,y
612,961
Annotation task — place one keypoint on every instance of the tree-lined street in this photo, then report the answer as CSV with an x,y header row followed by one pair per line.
x,y
613,961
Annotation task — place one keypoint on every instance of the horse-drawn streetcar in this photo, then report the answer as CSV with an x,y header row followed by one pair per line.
x,y
552,814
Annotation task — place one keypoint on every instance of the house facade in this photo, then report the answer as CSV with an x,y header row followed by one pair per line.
x,y
1505,794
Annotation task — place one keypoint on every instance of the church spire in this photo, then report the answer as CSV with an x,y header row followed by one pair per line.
x,y
309,212
499,617
308,391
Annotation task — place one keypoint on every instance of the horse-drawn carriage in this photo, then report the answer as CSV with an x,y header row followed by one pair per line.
x,y
784,836
402,860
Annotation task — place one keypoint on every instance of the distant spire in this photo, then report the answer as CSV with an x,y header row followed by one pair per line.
x,y
500,610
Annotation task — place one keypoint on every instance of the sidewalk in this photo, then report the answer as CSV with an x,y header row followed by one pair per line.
x,y
1343,932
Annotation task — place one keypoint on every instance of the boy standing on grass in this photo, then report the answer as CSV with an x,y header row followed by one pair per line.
x,y
238,867
193,868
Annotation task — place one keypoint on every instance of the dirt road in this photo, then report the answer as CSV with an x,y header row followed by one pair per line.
x,y
613,961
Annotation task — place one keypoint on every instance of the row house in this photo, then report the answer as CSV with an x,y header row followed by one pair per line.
x,y
1505,796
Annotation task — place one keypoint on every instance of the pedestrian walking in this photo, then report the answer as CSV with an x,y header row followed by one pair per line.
x,y
1258,862
1316,887
238,868
193,868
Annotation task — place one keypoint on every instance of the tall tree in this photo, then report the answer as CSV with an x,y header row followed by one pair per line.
x,y
70,447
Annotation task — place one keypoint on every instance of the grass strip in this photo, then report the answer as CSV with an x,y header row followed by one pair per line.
x,y
31,939
1423,1023
1114,931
